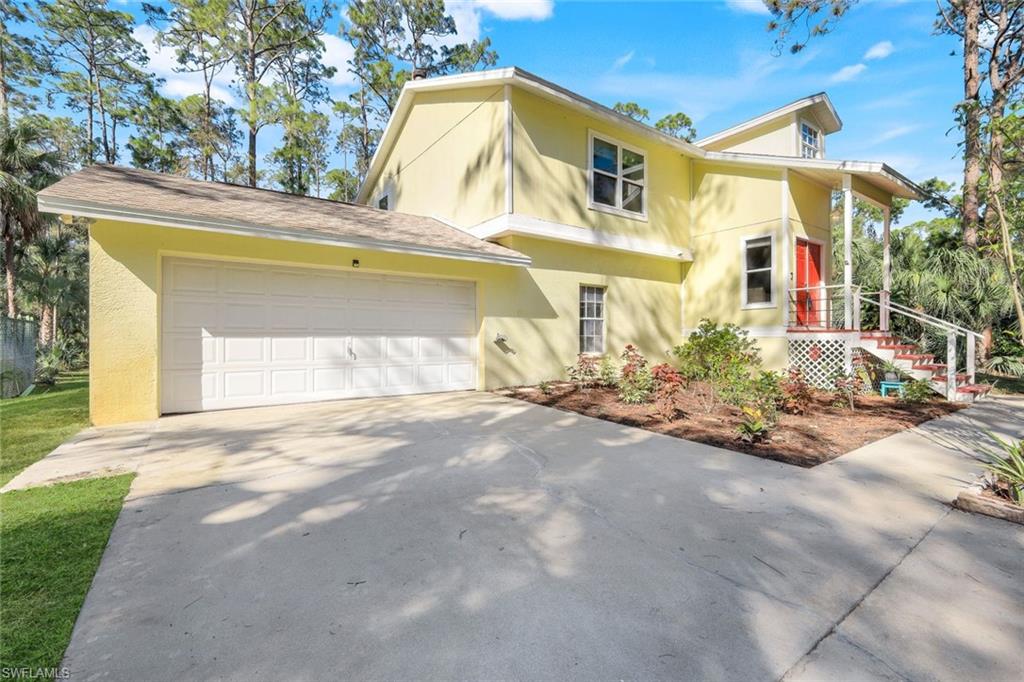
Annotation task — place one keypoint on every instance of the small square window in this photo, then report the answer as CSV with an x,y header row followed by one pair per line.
x,y
591,319
617,177
382,203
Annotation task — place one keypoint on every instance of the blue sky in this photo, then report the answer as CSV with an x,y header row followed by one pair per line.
x,y
892,81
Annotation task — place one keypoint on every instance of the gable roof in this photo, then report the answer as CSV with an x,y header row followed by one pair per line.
x,y
875,173
134,195
818,103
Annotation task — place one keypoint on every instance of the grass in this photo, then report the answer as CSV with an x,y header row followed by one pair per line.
x,y
53,538
31,427
1003,384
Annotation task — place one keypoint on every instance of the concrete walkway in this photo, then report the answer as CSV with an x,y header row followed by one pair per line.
x,y
469,536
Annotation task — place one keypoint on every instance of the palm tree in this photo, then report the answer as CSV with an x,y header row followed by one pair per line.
x,y
25,167
48,270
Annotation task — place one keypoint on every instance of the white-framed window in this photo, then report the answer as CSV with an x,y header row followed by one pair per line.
x,y
617,177
591,319
758,285
810,141
383,202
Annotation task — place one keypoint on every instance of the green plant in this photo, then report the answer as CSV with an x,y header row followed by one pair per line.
x,y
608,372
1010,365
545,387
847,386
917,392
1007,468
584,373
635,381
721,356
754,426
48,366
891,369
796,392
667,384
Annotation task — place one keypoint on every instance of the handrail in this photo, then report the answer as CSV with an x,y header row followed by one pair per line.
x,y
922,316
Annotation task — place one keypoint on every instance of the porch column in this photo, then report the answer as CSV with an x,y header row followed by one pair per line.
x,y
847,251
883,298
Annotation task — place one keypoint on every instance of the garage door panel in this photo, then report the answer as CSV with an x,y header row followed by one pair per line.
x,y
289,349
243,349
238,334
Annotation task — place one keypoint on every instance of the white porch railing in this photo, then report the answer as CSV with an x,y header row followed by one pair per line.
x,y
827,308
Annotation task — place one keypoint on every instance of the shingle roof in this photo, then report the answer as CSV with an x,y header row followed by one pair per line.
x,y
130,192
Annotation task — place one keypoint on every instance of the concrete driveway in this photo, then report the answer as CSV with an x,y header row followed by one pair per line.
x,y
467,536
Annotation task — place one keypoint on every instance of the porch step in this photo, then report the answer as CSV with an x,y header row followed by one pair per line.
x,y
976,389
925,366
960,378
915,358
896,346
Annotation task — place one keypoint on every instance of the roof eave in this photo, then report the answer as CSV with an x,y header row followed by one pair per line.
x,y
86,209
817,99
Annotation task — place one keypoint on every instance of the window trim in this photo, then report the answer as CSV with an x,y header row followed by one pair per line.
x,y
604,319
820,152
772,269
617,209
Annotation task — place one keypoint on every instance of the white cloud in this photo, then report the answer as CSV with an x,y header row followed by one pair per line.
x,y
338,53
514,10
748,6
469,13
623,60
879,50
163,63
894,132
847,73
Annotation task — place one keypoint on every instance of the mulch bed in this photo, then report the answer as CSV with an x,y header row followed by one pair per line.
x,y
823,433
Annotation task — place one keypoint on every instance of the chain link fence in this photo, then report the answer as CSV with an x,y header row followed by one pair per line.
x,y
17,355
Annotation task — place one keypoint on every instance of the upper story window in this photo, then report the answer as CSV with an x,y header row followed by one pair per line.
x,y
810,141
618,175
758,272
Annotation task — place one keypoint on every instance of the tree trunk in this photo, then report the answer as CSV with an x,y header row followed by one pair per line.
x,y
972,123
1011,266
9,269
46,325
250,88
3,80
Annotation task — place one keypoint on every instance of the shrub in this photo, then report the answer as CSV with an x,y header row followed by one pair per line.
x,y
916,392
545,387
667,383
723,357
584,373
847,386
48,365
754,426
635,380
608,372
796,392
1007,468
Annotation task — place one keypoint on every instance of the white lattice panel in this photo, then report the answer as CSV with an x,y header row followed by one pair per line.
x,y
819,358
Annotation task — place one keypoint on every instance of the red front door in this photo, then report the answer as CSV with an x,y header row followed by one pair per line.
x,y
809,298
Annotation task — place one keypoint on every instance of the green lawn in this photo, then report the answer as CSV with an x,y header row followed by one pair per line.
x,y
53,538
33,426
1003,384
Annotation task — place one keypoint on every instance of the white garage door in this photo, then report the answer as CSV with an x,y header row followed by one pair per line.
x,y
237,335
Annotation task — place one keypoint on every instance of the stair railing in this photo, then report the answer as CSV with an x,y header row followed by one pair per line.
x,y
952,332
821,308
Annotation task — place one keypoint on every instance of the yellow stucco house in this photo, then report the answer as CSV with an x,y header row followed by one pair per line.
x,y
505,225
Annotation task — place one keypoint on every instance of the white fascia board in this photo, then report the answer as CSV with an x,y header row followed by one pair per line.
x,y
835,124
106,212
528,226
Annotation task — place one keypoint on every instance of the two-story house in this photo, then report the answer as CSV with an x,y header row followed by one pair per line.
x,y
506,225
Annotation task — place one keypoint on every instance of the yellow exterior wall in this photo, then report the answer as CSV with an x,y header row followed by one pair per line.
x,y
778,137
550,165
730,204
448,160
536,308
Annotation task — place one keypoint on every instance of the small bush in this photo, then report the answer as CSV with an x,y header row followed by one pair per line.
x,y
1007,468
796,392
48,366
545,387
754,426
847,387
667,384
635,381
916,392
584,373
723,357
608,372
